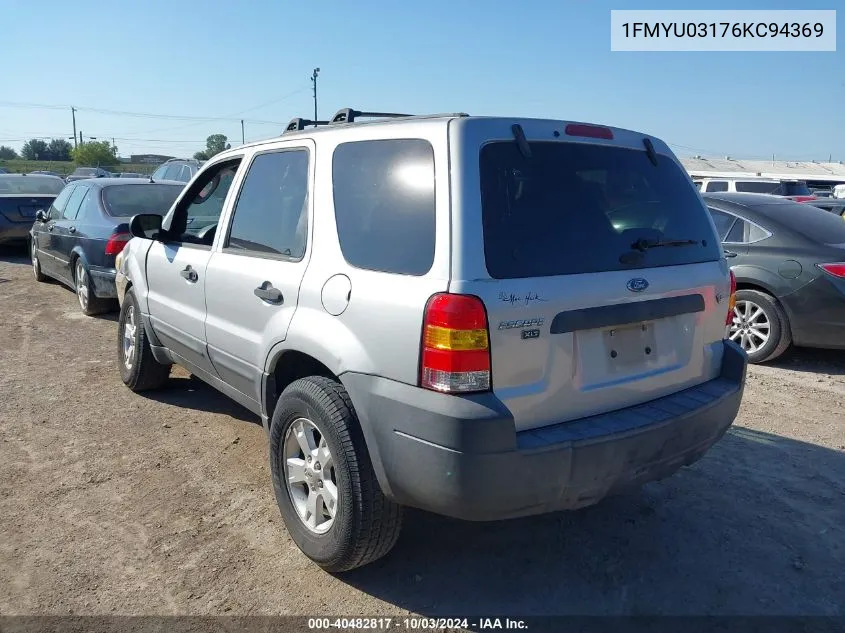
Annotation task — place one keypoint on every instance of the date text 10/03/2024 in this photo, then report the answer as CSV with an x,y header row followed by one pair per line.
x,y
416,624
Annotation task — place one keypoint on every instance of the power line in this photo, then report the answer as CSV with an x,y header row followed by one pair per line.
x,y
149,115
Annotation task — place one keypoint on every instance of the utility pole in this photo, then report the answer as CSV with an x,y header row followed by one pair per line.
x,y
80,138
73,114
243,136
314,81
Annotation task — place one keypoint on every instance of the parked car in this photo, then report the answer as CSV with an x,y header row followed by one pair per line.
x,y
555,307
789,263
182,169
76,239
21,196
3,170
796,190
45,172
131,174
834,205
83,173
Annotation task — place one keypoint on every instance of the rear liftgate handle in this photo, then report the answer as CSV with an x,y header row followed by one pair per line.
x,y
71,229
190,274
266,292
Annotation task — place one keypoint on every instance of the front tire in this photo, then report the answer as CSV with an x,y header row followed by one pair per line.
x,y
139,370
337,515
760,326
36,265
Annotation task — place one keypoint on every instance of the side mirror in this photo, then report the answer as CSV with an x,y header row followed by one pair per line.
x,y
40,216
145,225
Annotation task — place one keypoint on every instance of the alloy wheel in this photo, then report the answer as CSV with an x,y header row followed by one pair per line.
x,y
81,285
310,473
750,327
129,331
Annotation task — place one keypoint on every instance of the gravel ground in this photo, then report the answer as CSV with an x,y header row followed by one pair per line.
x,y
112,502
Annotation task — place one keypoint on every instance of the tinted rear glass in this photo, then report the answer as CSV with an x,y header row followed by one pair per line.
x,y
773,188
578,208
816,224
128,200
41,185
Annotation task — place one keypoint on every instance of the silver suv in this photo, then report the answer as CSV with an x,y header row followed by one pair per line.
x,y
481,317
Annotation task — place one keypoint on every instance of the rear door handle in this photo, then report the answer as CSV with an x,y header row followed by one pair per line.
x,y
189,273
71,229
266,292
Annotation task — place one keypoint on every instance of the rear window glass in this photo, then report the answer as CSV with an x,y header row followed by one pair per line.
x,y
41,185
128,200
773,188
384,204
816,224
578,208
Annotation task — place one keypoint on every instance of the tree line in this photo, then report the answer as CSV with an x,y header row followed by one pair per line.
x,y
93,153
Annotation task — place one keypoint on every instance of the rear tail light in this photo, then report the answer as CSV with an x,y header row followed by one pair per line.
x,y
589,131
455,354
731,301
116,243
837,270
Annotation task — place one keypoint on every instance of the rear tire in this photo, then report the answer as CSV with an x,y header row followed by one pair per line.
x,y
356,523
759,315
90,303
139,370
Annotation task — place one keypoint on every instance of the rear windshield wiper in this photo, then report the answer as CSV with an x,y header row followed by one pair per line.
x,y
643,244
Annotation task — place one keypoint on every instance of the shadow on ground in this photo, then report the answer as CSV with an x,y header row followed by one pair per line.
x,y
817,361
14,254
756,527
193,393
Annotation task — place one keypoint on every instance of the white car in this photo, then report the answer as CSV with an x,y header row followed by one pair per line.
x,y
794,189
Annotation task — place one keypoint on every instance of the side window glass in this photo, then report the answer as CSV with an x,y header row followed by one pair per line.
x,y
384,193
198,212
723,222
74,202
271,214
717,185
737,233
755,233
172,172
57,208
88,209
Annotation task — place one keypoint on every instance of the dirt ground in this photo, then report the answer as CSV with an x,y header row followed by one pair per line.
x,y
112,502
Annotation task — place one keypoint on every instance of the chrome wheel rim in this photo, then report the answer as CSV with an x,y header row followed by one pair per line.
x,y
310,474
750,326
81,285
129,330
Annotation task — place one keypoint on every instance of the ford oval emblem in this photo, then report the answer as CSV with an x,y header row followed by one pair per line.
x,y
637,284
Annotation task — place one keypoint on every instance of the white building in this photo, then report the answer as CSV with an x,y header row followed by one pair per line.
x,y
814,173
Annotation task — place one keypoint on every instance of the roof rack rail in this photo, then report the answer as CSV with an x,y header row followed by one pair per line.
x,y
297,124
348,115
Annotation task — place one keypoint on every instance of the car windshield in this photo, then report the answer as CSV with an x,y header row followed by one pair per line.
x,y
85,171
786,188
577,208
129,200
41,185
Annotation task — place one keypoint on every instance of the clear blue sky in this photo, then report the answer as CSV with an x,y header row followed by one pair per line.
x,y
531,58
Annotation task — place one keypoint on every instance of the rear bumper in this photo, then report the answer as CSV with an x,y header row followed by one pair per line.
x,y
460,456
817,313
103,280
14,232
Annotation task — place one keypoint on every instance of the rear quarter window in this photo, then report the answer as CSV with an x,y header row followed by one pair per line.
x,y
384,204
578,208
